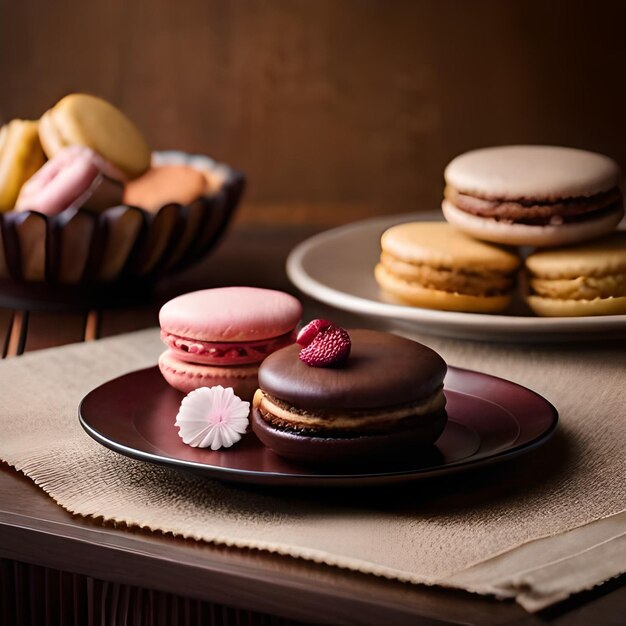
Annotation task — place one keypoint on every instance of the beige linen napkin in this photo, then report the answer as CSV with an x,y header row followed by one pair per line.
x,y
536,529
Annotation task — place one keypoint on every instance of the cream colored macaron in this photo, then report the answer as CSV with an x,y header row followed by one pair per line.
x,y
433,265
82,119
586,279
533,195
21,156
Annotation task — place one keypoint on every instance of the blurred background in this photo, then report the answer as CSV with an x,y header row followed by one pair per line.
x,y
335,109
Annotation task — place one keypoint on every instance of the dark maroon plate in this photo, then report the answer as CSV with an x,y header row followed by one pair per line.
x,y
490,419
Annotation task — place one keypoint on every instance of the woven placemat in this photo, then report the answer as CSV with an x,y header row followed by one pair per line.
x,y
537,528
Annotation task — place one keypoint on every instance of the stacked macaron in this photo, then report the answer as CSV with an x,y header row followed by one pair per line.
x,y
98,158
347,396
220,336
529,196
533,195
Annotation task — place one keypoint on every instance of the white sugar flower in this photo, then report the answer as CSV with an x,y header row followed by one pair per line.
x,y
212,416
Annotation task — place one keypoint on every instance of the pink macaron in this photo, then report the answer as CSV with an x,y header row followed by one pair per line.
x,y
220,336
75,177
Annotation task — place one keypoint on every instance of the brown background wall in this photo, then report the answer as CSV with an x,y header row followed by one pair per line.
x,y
336,109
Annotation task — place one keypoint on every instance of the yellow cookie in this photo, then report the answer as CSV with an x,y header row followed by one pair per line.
x,y
433,265
90,121
162,185
585,279
20,157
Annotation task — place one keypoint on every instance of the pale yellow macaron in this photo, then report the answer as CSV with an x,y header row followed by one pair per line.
x,y
433,265
82,119
585,279
21,156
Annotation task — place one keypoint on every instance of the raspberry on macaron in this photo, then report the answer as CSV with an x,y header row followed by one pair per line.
x,y
323,344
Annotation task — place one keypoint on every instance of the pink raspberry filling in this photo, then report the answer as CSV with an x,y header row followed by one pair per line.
x,y
224,353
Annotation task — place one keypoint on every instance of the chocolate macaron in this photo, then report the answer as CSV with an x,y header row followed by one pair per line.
x,y
386,398
533,195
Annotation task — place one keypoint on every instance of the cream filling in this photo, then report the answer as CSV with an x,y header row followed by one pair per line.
x,y
448,279
346,420
581,288
233,351
538,210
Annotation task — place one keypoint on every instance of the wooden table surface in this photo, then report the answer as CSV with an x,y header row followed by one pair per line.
x,y
34,530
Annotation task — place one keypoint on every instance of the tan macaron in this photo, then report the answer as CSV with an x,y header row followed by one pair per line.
x,y
21,156
585,279
81,119
164,184
433,265
533,195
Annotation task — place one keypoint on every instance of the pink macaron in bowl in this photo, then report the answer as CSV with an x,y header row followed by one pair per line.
x,y
220,336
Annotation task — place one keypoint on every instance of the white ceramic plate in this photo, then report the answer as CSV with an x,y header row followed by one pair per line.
x,y
336,268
